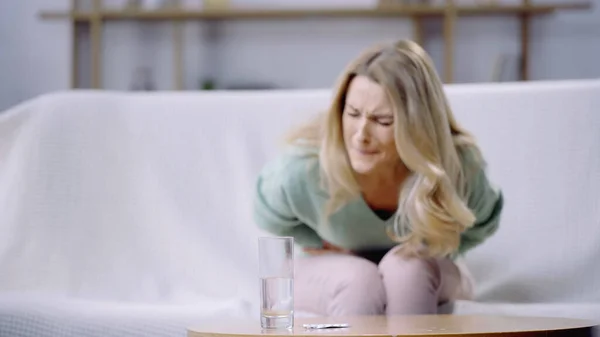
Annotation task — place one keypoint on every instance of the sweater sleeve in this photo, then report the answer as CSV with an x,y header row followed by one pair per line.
x,y
272,211
486,201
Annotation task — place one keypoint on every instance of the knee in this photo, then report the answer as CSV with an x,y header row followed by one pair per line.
x,y
409,272
361,291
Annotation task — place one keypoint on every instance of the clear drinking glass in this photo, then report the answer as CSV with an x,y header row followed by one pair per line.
x,y
276,273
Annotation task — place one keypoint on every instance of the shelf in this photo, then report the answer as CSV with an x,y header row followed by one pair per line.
x,y
242,14
448,13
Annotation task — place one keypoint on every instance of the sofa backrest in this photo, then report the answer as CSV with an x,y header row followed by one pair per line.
x,y
542,142
135,197
147,197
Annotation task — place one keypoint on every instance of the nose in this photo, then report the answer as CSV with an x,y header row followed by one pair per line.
x,y
362,131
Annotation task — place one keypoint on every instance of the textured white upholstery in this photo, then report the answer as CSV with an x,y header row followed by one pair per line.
x,y
145,199
543,146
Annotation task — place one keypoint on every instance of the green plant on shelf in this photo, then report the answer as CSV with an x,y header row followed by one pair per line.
x,y
208,84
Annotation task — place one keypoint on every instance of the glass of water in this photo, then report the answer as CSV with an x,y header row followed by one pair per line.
x,y
276,273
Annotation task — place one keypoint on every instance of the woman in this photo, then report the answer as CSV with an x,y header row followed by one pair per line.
x,y
384,193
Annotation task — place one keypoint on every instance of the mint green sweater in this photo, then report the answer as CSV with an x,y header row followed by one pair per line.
x,y
289,201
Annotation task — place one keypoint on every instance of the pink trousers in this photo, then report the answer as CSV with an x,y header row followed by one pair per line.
x,y
342,285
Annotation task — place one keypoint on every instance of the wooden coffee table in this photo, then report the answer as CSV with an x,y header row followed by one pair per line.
x,y
396,326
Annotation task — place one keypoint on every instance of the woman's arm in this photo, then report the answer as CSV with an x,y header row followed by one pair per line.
x,y
486,201
273,213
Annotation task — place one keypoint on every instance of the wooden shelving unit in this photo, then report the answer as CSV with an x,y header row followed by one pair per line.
x,y
449,13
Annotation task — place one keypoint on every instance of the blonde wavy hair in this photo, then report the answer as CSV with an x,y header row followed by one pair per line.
x,y
432,208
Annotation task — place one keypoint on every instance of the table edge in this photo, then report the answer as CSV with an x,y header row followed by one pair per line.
x,y
578,325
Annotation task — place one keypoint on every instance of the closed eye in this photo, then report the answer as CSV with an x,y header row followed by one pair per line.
x,y
385,121
352,112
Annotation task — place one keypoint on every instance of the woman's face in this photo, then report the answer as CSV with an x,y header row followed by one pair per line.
x,y
368,127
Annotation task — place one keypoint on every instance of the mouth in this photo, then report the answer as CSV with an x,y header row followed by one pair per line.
x,y
365,152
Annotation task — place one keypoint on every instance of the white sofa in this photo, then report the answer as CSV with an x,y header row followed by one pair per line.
x,y
129,214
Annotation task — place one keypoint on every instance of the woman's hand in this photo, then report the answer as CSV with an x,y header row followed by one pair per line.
x,y
327,248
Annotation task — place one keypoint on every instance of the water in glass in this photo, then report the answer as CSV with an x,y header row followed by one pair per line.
x,y
277,302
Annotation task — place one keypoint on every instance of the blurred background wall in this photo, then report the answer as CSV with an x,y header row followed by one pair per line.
x,y
35,54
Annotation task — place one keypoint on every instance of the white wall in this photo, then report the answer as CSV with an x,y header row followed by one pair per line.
x,y
10,84
35,56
